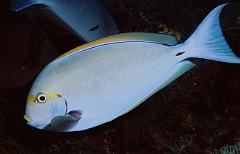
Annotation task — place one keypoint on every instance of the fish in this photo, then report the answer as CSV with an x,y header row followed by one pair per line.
x,y
86,19
104,79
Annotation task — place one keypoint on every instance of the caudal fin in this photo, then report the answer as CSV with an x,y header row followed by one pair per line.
x,y
208,42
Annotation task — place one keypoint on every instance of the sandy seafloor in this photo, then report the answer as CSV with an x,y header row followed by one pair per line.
x,y
197,113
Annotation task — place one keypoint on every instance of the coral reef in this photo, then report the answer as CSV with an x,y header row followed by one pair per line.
x,y
232,149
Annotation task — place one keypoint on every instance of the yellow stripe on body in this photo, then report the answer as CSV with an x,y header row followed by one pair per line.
x,y
90,44
124,37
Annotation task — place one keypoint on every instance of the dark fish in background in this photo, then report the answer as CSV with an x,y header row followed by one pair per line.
x,y
86,19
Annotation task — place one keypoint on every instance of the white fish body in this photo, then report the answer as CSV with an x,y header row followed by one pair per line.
x,y
109,77
86,19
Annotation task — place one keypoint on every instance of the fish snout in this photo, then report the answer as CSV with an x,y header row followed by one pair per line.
x,y
27,118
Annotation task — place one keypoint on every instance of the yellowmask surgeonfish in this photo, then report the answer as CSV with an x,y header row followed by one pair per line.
x,y
104,79
86,19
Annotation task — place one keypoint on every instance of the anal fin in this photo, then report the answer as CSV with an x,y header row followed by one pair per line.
x,y
177,71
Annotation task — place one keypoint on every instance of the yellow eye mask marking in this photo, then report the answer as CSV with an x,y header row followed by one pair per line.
x,y
31,99
51,96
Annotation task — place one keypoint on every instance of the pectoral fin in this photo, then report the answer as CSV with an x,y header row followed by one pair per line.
x,y
65,123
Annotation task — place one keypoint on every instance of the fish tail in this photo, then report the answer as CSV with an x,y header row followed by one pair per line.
x,y
17,5
208,42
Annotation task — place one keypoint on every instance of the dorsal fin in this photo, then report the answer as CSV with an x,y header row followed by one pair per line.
x,y
137,36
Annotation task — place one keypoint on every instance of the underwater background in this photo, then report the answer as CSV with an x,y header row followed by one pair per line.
x,y
197,113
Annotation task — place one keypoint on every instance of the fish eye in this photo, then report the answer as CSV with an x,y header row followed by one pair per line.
x,y
42,98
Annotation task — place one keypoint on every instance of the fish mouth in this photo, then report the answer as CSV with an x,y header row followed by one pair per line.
x,y
30,122
27,118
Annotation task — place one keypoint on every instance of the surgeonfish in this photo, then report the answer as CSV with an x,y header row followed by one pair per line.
x,y
86,19
104,79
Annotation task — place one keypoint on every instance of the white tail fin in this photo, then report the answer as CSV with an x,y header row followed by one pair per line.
x,y
208,41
